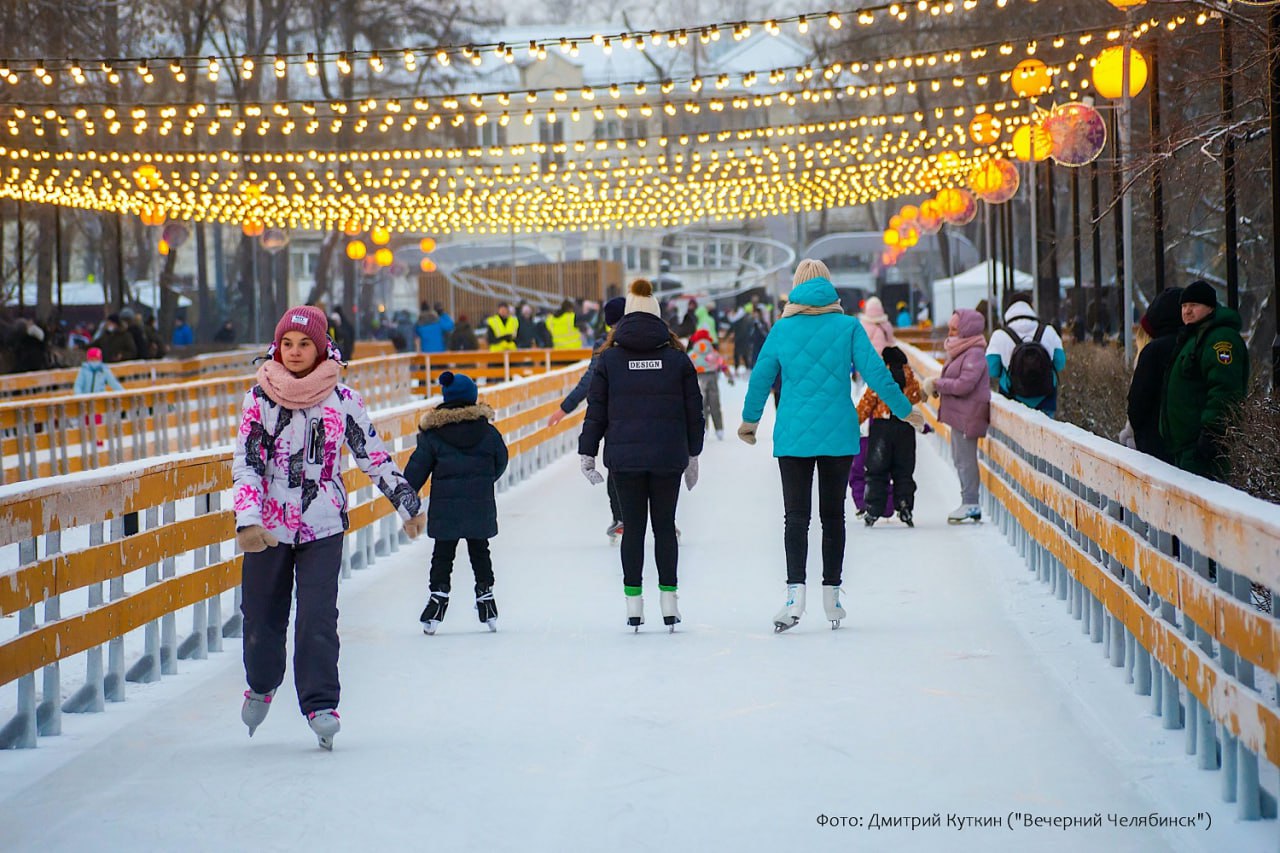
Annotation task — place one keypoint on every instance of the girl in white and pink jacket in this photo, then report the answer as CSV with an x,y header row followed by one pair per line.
x,y
291,514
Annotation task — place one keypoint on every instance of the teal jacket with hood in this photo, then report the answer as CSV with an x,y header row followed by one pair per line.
x,y
814,354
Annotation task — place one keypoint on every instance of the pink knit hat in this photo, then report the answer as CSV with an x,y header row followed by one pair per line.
x,y
309,320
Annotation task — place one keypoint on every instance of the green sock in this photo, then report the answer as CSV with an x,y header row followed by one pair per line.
x,y
632,590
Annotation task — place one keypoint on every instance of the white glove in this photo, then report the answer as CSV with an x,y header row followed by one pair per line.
x,y
691,473
916,420
588,466
747,432
1126,436
929,386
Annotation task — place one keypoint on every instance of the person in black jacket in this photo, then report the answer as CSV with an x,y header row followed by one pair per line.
x,y
612,314
465,455
645,405
1162,323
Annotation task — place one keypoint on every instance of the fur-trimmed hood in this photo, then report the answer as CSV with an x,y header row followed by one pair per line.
x,y
441,416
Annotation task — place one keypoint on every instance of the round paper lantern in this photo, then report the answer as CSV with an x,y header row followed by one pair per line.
x,y
253,228
380,236
959,207
1032,143
163,247
995,181
1108,72
1127,4
175,234
930,221
147,177
895,221
910,236
892,237
909,213
984,129
274,239
383,257
427,265
152,214
351,228
427,246
1031,78
949,161
356,250
1078,133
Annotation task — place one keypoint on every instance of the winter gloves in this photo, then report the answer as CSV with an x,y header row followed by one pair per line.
x,y
929,385
413,527
747,432
691,473
588,466
1126,437
916,419
255,538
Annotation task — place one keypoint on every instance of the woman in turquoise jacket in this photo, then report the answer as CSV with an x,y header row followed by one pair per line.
x,y
813,347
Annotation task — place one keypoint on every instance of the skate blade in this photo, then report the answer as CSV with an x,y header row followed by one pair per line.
x,y
779,627
430,629
326,742
493,625
964,521
835,623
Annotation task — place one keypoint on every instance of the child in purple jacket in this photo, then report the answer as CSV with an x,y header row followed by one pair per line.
x,y
965,406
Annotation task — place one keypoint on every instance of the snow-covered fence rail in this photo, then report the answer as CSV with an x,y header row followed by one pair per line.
x,y
62,435
1158,566
61,382
503,365
131,594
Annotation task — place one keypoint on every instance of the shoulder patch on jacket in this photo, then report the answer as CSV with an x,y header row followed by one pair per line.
x,y
1223,351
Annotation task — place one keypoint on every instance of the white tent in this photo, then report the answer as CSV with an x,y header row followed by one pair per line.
x,y
967,289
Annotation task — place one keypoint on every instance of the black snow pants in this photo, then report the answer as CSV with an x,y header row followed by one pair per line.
x,y
267,588
891,454
442,563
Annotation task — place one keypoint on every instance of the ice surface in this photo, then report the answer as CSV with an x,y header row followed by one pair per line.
x,y
958,684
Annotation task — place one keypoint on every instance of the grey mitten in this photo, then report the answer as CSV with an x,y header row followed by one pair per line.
x,y
588,466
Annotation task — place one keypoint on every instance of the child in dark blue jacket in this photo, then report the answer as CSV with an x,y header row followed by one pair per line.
x,y
464,455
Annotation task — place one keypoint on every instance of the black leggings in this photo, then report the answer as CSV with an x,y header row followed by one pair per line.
x,y
797,504
644,495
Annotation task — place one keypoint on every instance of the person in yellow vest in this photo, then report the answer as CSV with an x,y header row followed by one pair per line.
x,y
564,328
502,329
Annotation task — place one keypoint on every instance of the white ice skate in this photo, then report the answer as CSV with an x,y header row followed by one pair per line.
x,y
965,512
670,612
325,724
789,616
614,532
635,611
831,604
255,708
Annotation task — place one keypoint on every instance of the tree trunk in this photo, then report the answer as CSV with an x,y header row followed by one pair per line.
x,y
168,297
45,244
324,268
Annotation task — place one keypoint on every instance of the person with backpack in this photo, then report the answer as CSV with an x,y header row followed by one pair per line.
x,y
1026,355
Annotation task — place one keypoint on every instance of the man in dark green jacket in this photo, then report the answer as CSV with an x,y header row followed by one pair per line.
x,y
1208,377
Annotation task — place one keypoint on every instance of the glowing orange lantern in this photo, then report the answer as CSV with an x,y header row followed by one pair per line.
x,y
984,129
427,265
253,228
383,257
380,236
1032,143
356,250
427,245
1030,78
1108,72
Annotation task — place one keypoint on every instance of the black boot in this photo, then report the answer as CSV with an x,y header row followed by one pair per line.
x,y
486,607
434,612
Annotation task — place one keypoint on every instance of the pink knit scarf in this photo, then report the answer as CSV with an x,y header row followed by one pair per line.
x,y
954,345
295,392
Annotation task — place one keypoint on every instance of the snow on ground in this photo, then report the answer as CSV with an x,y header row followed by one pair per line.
x,y
958,685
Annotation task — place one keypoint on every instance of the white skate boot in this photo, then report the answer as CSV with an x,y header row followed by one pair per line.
x,y
670,612
325,724
791,612
255,708
965,512
635,611
831,604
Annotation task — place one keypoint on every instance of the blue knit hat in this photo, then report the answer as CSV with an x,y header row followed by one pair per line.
x,y
614,309
457,387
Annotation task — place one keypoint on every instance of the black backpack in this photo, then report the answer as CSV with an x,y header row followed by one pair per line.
x,y
1030,367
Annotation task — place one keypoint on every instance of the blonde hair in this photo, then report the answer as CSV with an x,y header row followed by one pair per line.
x,y
810,268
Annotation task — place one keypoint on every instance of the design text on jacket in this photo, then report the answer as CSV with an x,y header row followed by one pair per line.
x,y
647,364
